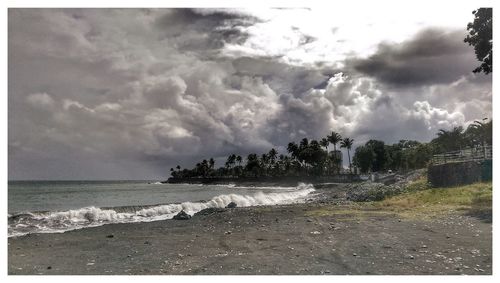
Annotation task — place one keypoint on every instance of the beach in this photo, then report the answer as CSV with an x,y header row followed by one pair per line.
x,y
322,236
339,139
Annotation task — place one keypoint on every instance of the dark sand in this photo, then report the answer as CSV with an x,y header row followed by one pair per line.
x,y
314,238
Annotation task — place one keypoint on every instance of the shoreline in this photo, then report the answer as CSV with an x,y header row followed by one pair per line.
x,y
93,216
325,236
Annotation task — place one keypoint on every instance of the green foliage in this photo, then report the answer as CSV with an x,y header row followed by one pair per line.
x,y
450,140
372,156
380,158
363,158
405,155
477,134
480,37
253,165
324,143
408,155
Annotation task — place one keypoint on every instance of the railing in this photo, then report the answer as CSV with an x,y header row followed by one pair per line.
x,y
468,154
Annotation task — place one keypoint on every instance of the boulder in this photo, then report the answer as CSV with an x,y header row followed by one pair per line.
x,y
231,205
210,210
90,216
182,216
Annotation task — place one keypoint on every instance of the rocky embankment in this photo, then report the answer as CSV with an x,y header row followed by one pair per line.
x,y
374,191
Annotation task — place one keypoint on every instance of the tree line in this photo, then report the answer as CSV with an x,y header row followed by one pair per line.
x,y
305,158
405,155
314,158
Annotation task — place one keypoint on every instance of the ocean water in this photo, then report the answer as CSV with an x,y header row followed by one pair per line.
x,y
58,206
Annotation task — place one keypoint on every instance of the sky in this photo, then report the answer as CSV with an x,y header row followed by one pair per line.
x,y
129,93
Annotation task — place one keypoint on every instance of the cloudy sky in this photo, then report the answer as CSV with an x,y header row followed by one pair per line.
x,y
129,93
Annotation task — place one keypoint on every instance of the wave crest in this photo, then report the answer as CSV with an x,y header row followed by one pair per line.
x,y
61,221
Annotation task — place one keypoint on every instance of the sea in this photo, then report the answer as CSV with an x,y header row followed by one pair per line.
x,y
59,206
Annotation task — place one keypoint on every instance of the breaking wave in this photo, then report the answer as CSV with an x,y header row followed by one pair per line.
x,y
61,221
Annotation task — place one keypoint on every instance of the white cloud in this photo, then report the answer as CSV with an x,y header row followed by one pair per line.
x,y
40,100
436,118
342,31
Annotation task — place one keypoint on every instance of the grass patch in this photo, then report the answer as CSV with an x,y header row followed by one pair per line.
x,y
422,200
479,193
419,201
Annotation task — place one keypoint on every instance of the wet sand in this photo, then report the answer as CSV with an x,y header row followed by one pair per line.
x,y
321,237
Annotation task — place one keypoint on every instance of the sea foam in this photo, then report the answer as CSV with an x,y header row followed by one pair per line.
x,y
61,221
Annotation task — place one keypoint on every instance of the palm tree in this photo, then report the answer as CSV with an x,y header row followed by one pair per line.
x,y
239,160
479,133
450,140
272,155
287,164
264,159
303,143
324,143
211,163
253,165
230,161
347,143
293,149
334,138
198,168
178,168
204,167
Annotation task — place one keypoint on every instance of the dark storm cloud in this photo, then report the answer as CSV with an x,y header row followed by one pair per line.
x,y
201,18
218,27
433,56
282,77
